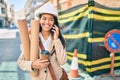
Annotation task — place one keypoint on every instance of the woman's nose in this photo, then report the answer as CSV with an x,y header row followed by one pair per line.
x,y
47,21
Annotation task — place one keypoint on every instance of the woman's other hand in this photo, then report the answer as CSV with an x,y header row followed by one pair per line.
x,y
39,64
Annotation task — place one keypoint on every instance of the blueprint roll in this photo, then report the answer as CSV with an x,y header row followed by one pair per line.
x,y
24,36
34,49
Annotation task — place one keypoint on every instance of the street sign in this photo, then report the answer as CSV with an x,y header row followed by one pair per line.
x,y
112,41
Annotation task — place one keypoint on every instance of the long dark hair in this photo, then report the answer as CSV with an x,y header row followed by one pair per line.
x,y
57,24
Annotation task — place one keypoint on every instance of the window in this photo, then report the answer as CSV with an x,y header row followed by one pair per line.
x,y
1,1
2,10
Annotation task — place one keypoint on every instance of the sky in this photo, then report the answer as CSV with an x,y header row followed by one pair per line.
x,y
18,4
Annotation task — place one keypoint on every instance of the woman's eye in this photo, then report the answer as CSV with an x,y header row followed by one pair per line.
x,y
51,19
44,19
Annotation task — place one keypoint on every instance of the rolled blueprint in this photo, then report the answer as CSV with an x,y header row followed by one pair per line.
x,y
23,30
34,49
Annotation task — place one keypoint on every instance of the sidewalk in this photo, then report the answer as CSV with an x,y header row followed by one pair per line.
x,y
85,76
10,71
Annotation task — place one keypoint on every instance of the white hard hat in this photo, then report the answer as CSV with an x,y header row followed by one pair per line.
x,y
47,8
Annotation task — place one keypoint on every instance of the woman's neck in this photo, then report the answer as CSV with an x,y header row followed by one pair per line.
x,y
45,35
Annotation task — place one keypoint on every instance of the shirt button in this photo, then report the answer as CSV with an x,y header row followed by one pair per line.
x,y
45,71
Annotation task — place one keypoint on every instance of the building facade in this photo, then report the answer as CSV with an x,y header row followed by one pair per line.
x,y
32,6
10,15
66,4
6,14
3,14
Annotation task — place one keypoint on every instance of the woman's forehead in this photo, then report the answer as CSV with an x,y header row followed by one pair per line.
x,y
47,15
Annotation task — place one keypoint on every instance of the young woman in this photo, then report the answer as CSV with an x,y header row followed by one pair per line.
x,y
50,37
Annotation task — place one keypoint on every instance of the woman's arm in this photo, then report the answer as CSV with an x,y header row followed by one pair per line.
x,y
31,65
24,64
60,52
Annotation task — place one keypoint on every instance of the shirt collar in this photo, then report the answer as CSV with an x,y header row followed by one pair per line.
x,y
42,39
47,42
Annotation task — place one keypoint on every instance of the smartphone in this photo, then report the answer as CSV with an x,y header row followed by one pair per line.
x,y
52,28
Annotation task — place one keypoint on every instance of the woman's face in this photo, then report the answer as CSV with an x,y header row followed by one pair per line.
x,y
46,22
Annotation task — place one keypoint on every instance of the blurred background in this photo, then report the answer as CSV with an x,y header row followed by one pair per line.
x,y
84,24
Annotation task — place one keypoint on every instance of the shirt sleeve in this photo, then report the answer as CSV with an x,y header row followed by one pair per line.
x,y
60,52
24,64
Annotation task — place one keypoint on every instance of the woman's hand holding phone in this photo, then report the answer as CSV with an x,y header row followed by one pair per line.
x,y
55,30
